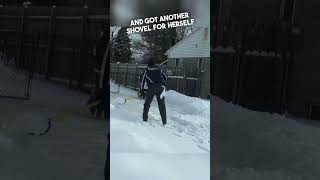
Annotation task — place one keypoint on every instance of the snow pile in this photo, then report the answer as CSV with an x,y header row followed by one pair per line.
x,y
192,116
179,150
113,87
258,145
188,105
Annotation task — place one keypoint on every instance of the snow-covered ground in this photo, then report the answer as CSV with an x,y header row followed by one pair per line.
x,y
13,82
74,149
252,145
144,151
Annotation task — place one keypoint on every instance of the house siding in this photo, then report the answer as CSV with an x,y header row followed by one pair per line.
x,y
193,45
189,51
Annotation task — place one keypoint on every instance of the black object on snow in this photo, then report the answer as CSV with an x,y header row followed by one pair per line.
x,y
44,132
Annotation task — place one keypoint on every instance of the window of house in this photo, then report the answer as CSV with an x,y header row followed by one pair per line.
x,y
200,62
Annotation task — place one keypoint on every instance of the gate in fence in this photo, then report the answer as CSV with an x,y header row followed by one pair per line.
x,y
17,62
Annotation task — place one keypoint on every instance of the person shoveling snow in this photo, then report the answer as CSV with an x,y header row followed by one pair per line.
x,y
156,81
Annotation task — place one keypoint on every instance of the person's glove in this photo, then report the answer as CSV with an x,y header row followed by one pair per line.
x,y
139,94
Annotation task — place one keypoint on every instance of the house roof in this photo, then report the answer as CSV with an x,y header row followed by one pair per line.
x,y
194,45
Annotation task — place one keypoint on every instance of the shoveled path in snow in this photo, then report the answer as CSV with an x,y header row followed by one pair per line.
x,y
74,149
179,150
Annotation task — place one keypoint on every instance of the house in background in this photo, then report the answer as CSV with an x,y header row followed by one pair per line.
x,y
193,55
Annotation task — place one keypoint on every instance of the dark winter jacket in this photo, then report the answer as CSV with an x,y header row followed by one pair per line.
x,y
140,81
153,75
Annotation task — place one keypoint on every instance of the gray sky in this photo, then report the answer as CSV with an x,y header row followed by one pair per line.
x,y
122,11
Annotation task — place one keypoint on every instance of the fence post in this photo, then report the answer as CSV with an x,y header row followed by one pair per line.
x,y
199,83
237,58
4,52
177,80
126,75
52,24
84,48
135,77
21,37
185,83
71,72
32,64
38,57
117,73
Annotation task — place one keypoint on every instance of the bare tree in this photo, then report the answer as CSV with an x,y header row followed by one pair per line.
x,y
183,31
139,46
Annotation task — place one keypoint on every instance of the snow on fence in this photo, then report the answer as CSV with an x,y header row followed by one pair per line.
x,y
183,80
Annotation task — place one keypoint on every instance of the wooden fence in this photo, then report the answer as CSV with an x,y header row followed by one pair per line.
x,y
179,79
64,38
251,64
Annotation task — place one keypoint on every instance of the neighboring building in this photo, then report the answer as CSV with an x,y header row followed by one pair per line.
x,y
275,66
193,54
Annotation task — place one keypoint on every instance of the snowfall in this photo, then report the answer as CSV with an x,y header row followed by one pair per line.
x,y
148,150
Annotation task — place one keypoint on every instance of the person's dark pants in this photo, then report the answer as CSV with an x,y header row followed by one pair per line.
x,y
155,90
143,94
